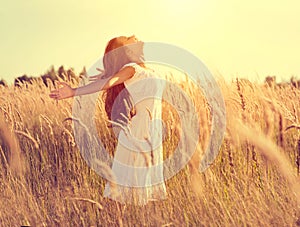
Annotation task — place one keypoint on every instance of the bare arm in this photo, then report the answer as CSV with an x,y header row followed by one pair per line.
x,y
101,84
120,77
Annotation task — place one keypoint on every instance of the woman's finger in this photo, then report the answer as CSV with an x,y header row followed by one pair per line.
x,y
54,92
100,70
63,83
94,78
53,96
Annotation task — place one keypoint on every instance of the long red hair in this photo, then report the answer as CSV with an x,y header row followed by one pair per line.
x,y
118,102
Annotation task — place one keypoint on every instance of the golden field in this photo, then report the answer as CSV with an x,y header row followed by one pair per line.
x,y
254,180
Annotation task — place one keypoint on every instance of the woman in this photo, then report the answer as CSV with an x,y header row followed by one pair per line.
x,y
138,160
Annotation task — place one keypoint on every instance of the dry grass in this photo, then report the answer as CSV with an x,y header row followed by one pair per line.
x,y
44,181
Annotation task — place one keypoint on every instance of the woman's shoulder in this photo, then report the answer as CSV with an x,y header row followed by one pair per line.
x,y
133,64
138,68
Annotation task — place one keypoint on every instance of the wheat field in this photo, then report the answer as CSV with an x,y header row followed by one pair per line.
x,y
254,180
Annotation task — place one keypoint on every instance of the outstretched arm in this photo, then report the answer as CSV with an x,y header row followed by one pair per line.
x,y
66,91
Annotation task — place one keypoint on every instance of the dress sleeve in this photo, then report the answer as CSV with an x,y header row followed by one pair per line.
x,y
134,65
130,64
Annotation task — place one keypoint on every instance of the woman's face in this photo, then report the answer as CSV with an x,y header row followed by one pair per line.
x,y
132,50
125,40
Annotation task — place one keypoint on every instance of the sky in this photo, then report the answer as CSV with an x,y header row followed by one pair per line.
x,y
250,39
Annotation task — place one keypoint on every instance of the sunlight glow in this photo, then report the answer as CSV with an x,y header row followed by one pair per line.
x,y
231,37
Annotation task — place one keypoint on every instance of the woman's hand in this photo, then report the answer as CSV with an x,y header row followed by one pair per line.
x,y
96,77
62,93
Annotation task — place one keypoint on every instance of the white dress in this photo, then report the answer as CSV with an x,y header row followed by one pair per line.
x,y
138,161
